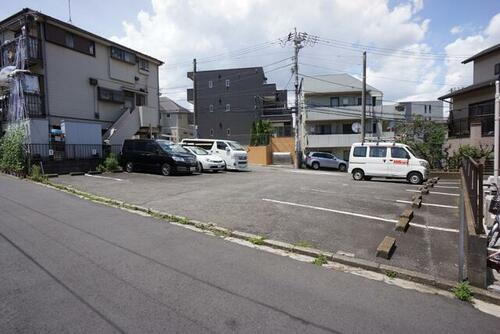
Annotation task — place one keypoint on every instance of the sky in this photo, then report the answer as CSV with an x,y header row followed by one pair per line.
x,y
414,47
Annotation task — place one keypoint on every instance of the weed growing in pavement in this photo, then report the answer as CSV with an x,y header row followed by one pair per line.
x,y
303,244
257,240
463,291
391,274
320,260
36,174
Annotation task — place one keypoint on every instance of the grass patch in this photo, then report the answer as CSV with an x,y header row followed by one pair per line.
x,y
320,260
303,244
36,174
463,291
391,274
257,240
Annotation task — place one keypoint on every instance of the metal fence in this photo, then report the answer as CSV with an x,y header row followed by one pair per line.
x,y
473,176
60,151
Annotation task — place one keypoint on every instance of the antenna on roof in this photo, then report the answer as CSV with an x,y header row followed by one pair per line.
x,y
69,11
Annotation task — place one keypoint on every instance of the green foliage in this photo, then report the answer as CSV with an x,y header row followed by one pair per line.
x,y
463,291
426,139
12,159
36,174
257,240
261,132
474,152
320,260
111,162
391,274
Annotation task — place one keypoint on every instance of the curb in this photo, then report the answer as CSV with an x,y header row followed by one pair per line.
x,y
369,265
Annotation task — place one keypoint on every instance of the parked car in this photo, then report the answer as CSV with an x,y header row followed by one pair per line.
x,y
157,155
234,155
317,160
389,160
206,161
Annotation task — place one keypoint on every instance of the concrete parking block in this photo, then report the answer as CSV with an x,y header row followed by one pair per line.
x,y
407,213
424,191
417,203
386,247
416,196
402,224
77,173
94,172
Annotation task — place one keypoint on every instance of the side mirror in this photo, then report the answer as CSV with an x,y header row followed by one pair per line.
x,y
228,149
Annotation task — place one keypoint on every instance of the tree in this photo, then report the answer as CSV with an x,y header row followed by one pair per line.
x,y
261,131
424,137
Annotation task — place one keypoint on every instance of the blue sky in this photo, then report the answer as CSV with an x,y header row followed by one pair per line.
x,y
177,30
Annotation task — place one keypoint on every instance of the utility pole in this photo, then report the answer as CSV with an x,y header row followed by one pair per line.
x,y
497,129
363,101
195,118
299,40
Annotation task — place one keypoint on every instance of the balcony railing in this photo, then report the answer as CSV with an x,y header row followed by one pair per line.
x,y
337,140
33,51
35,107
314,113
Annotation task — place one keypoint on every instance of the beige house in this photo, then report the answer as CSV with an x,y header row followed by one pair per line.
x,y
176,121
471,119
74,76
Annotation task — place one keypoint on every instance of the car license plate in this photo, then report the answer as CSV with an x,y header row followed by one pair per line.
x,y
192,169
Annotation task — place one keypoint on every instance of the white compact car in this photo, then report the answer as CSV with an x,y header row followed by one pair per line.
x,y
389,160
206,161
234,155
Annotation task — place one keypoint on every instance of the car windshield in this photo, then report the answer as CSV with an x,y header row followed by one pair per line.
x,y
198,150
235,146
412,152
171,147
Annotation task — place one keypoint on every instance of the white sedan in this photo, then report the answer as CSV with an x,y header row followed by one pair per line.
x,y
206,161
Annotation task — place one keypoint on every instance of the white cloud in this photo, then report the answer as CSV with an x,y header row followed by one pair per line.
x,y
176,31
456,30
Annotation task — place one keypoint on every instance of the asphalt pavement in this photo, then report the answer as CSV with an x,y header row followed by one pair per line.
x,y
69,265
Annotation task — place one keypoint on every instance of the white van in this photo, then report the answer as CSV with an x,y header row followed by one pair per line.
x,y
234,155
384,159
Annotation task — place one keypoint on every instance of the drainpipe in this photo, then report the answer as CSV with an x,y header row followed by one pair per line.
x,y
496,144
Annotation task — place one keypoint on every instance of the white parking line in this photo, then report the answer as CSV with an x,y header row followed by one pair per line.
x,y
430,204
331,210
447,187
433,192
310,172
104,177
441,182
359,215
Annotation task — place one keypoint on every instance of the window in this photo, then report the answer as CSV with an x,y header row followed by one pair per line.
x,y
211,108
345,101
228,107
221,145
378,152
334,102
211,132
150,147
374,100
485,113
143,64
228,132
399,153
359,151
69,40
210,84
430,108
122,55
497,69
360,101
140,100
115,96
228,82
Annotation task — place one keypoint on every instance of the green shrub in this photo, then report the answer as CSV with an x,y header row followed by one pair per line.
x,y
36,174
12,158
474,152
257,240
320,260
463,291
110,163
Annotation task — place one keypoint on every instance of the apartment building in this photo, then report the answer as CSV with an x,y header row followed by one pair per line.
x,y
332,113
74,83
228,101
176,121
472,109
427,110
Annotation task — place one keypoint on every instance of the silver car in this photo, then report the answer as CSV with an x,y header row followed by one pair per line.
x,y
317,160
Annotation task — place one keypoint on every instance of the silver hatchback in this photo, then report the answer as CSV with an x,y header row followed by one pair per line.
x,y
317,160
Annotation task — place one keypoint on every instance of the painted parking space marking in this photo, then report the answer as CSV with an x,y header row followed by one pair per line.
x,y
433,192
430,204
105,177
448,182
437,228
310,172
447,187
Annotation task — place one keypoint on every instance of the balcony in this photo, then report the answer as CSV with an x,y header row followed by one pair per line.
x,y
320,141
33,51
339,113
35,107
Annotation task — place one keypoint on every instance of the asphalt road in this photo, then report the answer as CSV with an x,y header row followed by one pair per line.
x,y
69,265
327,210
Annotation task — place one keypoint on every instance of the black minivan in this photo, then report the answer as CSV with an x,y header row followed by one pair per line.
x,y
157,155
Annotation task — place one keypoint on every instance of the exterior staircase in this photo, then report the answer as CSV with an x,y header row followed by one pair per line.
x,y
133,121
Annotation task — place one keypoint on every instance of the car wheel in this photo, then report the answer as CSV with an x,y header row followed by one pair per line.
x,y
199,168
415,178
315,165
358,174
129,167
342,168
166,169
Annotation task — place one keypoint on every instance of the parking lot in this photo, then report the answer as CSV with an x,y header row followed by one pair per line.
x,y
323,209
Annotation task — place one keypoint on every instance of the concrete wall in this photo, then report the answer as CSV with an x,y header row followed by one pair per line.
x,y
484,67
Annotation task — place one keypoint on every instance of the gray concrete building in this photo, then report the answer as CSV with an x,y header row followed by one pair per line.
x,y
428,110
75,76
176,121
228,101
